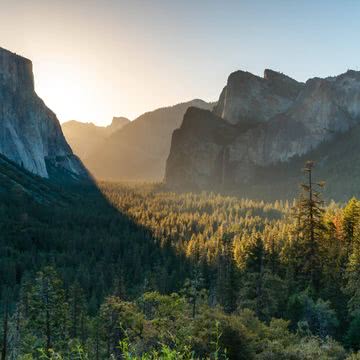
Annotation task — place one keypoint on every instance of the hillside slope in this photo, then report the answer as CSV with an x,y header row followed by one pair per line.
x,y
139,150
85,137
17,183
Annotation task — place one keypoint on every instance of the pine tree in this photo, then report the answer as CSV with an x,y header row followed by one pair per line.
x,y
310,227
16,332
226,285
19,329
351,217
352,287
193,289
77,307
49,311
256,264
261,290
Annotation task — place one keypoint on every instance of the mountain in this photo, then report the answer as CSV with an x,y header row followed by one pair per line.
x,y
337,161
248,99
139,150
262,127
116,124
85,137
30,133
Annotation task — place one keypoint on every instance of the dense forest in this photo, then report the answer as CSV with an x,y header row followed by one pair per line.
x,y
136,272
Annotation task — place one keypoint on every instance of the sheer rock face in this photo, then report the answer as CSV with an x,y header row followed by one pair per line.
x,y
299,123
30,133
197,149
249,99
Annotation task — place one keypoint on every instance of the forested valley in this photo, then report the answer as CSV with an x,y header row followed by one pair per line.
x,y
137,272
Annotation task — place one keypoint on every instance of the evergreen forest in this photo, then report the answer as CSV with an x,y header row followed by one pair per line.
x,y
133,271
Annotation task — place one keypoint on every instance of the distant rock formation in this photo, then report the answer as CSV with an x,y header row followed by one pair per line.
x,y
249,99
116,124
198,149
259,123
139,150
30,133
84,138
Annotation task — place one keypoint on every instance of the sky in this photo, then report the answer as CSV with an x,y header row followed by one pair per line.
x,y
95,59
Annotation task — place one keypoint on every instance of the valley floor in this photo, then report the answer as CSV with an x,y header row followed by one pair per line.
x,y
135,272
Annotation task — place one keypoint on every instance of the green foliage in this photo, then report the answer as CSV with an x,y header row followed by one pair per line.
x,y
48,310
353,334
310,228
165,353
260,288
315,316
178,276
119,320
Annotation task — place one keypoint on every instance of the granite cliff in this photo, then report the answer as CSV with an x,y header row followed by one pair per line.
x,y
270,121
248,99
30,133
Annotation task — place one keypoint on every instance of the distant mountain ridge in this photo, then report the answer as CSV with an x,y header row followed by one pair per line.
x,y
139,150
260,123
85,137
30,133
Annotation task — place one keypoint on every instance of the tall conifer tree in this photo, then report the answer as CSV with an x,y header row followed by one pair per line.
x,y
310,226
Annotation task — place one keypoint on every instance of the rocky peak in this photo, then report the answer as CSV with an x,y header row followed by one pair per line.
x,y
347,90
117,123
15,71
349,74
272,75
240,77
282,84
248,99
30,133
202,123
196,118
211,134
290,119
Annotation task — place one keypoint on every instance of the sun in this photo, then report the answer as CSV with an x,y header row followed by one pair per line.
x,y
65,87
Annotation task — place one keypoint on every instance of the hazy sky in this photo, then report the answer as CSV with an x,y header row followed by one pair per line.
x,y
94,59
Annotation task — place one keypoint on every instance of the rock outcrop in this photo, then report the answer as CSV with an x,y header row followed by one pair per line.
x,y
287,120
30,133
202,167
116,124
248,99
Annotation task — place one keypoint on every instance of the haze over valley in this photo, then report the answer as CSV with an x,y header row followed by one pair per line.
x,y
251,140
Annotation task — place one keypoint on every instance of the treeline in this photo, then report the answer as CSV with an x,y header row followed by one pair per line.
x,y
135,271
